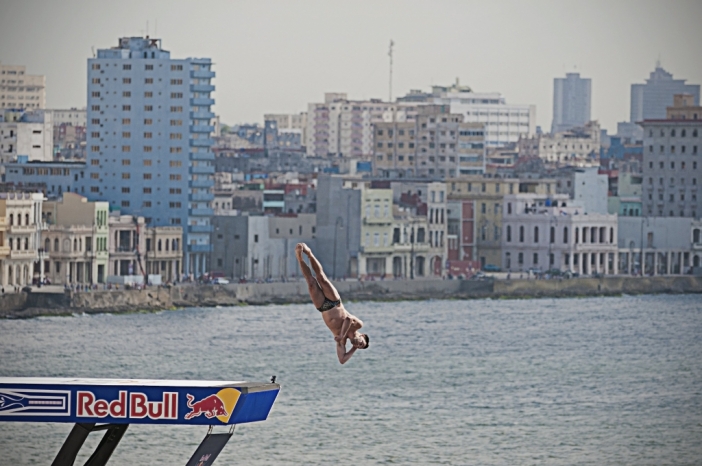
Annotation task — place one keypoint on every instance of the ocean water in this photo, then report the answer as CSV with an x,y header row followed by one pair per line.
x,y
600,381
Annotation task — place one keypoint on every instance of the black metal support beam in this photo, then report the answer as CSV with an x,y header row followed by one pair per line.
x,y
70,448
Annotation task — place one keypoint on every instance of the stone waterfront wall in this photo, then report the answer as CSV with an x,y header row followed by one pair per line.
x,y
33,304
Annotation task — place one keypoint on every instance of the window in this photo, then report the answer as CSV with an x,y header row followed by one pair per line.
x,y
149,67
126,67
126,149
148,135
148,108
147,190
176,136
176,95
176,150
176,122
536,234
125,190
148,121
94,176
147,176
95,162
147,162
126,108
124,203
125,176
149,81
509,233
176,109
126,162
94,189
126,80
565,235
521,233
126,94
126,121
174,177
176,81
175,163
95,148
536,258
180,68
148,148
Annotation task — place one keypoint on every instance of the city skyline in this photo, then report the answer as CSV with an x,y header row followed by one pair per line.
x,y
277,57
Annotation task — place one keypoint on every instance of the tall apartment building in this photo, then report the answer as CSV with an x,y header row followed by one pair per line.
x,y
504,123
672,165
25,133
649,101
148,138
435,144
340,127
21,90
571,102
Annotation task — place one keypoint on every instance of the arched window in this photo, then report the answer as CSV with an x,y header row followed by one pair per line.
x,y
12,219
565,235
174,245
47,245
577,235
694,133
19,219
166,245
26,244
159,245
56,244
611,235
683,133
696,235
26,219
553,235
536,234
509,233
521,233
672,133
75,245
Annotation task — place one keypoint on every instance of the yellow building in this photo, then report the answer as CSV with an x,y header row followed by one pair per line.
x,y
375,252
488,194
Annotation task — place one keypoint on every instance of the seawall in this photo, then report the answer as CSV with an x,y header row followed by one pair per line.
x,y
23,305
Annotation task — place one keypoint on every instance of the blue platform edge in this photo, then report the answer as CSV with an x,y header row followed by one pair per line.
x,y
135,404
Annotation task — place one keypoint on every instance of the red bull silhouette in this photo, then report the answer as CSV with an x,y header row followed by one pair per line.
x,y
210,406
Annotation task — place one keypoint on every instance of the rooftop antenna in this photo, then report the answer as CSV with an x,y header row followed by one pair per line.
x,y
147,28
392,44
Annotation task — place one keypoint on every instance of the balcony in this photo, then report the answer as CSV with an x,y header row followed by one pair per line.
x,y
201,183
697,246
202,87
201,101
200,229
23,228
202,170
202,74
202,115
201,128
202,156
206,142
201,212
199,248
4,250
201,197
23,254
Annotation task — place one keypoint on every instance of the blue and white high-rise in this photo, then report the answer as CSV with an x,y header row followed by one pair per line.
x,y
148,140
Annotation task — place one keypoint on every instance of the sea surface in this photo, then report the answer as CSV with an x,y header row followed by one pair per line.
x,y
596,381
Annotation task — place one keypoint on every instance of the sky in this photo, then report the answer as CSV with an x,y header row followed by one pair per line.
x,y
278,56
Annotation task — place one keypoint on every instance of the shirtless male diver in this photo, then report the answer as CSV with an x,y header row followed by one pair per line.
x,y
326,299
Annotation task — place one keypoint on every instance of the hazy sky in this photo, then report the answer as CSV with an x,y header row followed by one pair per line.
x,y
276,56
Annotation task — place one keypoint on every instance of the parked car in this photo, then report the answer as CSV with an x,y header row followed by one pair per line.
x,y
491,268
220,281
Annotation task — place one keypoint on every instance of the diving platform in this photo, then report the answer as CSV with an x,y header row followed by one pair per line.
x,y
113,404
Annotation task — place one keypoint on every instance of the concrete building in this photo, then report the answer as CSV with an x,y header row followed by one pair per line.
x,y
571,102
436,144
164,253
649,101
488,195
248,247
70,116
21,90
684,108
552,232
626,199
587,187
25,261
53,179
577,146
127,245
76,239
149,139
504,123
290,121
340,127
25,134
667,245
672,169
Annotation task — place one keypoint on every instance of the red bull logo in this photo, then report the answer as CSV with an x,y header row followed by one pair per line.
x,y
132,405
210,406
220,405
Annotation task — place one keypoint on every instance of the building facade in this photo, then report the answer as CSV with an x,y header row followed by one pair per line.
x,y
571,102
504,123
25,261
164,253
550,232
53,179
672,166
127,245
436,144
148,139
576,147
649,101
76,240
21,90
25,135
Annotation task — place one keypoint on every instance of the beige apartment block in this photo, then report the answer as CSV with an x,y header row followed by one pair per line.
x,y
287,121
76,239
488,195
25,261
164,252
127,245
437,144
21,90
579,147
